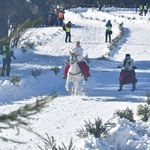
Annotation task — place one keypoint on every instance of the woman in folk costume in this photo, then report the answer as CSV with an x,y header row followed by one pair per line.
x,y
127,74
78,50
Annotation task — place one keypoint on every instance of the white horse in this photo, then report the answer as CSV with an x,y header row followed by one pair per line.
x,y
74,75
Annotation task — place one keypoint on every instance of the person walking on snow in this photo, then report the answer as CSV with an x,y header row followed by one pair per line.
x,y
145,9
82,64
141,10
108,31
68,32
127,74
6,53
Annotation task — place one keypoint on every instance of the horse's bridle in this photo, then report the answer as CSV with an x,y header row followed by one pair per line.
x,y
72,61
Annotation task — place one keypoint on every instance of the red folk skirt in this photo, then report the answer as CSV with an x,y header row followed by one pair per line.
x,y
127,77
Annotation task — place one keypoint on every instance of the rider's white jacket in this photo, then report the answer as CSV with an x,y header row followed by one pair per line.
x,y
79,52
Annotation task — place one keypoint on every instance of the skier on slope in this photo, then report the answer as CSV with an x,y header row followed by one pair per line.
x,y
127,74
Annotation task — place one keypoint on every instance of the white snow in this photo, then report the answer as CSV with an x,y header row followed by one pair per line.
x,y
67,113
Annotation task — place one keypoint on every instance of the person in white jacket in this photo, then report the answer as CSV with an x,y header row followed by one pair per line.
x,y
78,50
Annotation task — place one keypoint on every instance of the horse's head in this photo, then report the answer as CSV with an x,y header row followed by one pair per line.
x,y
73,58
74,74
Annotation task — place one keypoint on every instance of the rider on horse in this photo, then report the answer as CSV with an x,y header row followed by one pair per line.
x,y
82,64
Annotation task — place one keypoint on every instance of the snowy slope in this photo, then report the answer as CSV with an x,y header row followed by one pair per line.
x,y
67,113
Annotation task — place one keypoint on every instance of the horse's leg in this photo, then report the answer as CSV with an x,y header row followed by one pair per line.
x,y
73,89
83,85
76,88
67,85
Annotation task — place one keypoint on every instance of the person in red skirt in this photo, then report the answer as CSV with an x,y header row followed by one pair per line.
x,y
78,50
127,75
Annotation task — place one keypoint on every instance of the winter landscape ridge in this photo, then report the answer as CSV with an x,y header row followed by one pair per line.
x,y
67,113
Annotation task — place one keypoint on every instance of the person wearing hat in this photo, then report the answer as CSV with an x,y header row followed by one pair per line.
x,y
68,32
108,31
127,74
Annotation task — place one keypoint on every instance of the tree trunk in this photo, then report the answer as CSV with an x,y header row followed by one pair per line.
x,y
3,19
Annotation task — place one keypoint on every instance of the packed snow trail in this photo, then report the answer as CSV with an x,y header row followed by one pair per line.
x,y
51,51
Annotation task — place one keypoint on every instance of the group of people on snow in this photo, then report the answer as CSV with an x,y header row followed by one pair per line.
x,y
127,74
54,18
67,28
143,9
108,31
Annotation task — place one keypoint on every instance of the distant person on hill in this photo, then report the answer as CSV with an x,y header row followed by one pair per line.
x,y
145,9
54,18
108,31
100,7
127,74
49,19
141,10
60,17
68,32
136,7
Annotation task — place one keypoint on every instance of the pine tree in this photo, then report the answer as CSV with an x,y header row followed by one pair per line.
x,y
20,117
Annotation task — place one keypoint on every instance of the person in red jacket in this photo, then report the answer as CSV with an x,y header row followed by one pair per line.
x,y
60,18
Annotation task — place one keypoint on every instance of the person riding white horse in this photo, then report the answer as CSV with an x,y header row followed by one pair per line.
x,y
74,74
78,50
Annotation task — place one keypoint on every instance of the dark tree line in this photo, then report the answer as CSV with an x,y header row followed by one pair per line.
x,y
14,13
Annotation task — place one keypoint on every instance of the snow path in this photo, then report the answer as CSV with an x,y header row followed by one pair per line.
x,y
132,31
67,113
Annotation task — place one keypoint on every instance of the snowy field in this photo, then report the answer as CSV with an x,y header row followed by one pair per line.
x,y
67,113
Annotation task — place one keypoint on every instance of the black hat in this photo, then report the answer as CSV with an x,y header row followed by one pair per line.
x,y
127,56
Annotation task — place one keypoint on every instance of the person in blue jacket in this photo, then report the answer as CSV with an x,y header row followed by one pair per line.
x,y
108,31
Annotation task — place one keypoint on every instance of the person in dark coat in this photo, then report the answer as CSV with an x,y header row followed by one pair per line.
x,y
7,53
49,19
108,31
127,74
54,19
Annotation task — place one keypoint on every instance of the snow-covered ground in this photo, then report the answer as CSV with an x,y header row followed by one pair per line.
x,y
67,113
